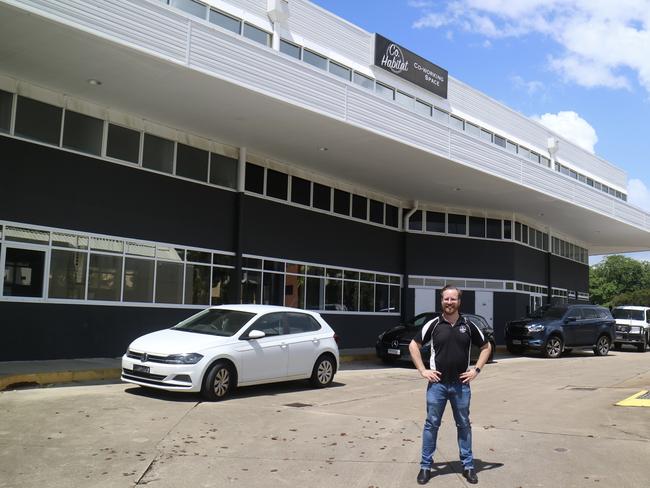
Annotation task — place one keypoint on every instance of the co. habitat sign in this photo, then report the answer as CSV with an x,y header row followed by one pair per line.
x,y
405,64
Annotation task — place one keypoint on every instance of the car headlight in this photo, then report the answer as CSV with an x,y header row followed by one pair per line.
x,y
635,330
535,327
190,358
620,328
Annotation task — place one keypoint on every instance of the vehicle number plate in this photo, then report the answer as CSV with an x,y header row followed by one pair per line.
x,y
516,341
140,368
396,352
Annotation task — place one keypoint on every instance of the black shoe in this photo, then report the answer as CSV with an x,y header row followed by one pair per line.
x,y
470,476
424,476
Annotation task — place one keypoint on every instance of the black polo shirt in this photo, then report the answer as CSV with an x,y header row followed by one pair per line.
x,y
450,345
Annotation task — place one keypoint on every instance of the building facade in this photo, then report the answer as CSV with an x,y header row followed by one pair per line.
x,y
158,157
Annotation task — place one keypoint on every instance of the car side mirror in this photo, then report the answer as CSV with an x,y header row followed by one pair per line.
x,y
255,334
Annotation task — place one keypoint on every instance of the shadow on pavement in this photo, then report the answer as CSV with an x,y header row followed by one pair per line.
x,y
456,467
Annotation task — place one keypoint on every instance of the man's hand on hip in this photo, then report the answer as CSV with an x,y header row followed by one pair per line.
x,y
431,375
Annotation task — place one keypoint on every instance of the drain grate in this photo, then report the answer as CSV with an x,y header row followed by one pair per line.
x,y
298,405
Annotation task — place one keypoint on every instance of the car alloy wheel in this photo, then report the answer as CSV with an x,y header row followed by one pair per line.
x,y
323,372
553,347
602,346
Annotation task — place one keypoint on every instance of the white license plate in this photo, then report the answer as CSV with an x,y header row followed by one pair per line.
x,y
140,368
396,352
516,341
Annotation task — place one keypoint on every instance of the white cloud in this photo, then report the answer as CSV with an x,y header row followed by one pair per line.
x,y
602,42
638,194
531,87
572,127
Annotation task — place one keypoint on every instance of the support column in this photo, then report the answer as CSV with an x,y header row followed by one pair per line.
x,y
239,222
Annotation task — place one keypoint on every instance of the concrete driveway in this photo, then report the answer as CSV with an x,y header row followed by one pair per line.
x,y
536,423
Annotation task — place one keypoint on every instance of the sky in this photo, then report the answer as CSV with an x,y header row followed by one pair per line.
x,y
580,67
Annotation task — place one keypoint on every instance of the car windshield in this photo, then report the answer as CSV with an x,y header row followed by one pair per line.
x,y
554,313
626,313
420,320
218,322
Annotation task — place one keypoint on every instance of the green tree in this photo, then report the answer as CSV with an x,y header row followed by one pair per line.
x,y
616,275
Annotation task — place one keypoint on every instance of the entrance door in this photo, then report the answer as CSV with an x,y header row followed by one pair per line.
x,y
24,271
425,300
484,305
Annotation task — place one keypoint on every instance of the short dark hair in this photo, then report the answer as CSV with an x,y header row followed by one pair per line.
x,y
451,287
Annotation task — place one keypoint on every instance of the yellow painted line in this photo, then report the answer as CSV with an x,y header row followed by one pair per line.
x,y
635,401
59,377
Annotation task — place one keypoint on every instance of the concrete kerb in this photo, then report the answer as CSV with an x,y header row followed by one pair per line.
x,y
17,374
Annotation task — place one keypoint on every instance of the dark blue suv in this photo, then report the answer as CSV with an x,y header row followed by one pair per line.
x,y
560,328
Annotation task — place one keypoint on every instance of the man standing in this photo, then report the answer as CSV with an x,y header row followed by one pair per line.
x,y
451,336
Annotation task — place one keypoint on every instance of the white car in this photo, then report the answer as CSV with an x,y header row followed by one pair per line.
x,y
222,347
632,326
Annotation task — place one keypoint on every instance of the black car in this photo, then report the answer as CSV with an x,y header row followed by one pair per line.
x,y
560,328
393,344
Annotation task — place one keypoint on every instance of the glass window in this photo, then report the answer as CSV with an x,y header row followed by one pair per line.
x,y
415,220
315,293
197,284
392,216
341,202
512,147
573,174
322,197
404,100
612,191
359,207
597,185
376,212
539,239
366,297
363,81
251,287
590,182
158,153
223,170
299,322
198,256
545,161
123,144
436,222
255,34
564,170
139,249
6,101
294,291
38,120
138,280
499,141
486,135
351,275
507,229
494,228
21,234
333,294
558,167
456,123
524,234
300,191
270,324
169,282
290,48
223,281
534,157
604,188
340,70
105,277
545,242
83,133
423,108
254,178
192,162
477,226
252,263
472,129
441,116
225,21
190,6
385,91
351,295
381,298
394,298
517,231
457,224
277,184
24,272
73,241
314,59
67,274
273,289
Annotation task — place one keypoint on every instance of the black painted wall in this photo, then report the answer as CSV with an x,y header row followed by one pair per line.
x,y
569,274
45,186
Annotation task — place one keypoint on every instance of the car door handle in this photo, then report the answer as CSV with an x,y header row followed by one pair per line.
x,y
315,340
283,345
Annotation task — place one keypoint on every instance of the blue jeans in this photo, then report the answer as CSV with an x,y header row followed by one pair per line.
x,y
459,396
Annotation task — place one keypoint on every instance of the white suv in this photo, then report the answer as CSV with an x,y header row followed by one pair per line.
x,y
632,327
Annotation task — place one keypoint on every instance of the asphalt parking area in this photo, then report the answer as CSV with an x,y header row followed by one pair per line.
x,y
535,423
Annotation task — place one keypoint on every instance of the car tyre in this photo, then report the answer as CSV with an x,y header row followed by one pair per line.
x,y
602,346
514,349
218,382
553,347
642,347
323,373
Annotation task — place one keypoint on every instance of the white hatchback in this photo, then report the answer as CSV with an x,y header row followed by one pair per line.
x,y
222,347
